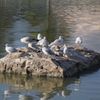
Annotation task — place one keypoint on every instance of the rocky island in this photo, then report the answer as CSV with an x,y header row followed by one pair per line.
x,y
32,62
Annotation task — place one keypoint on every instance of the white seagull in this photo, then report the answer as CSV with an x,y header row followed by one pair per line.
x,y
39,36
78,40
42,42
10,49
32,46
57,42
28,40
47,51
67,51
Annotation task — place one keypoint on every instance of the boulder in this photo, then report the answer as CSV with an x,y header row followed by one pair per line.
x,y
33,62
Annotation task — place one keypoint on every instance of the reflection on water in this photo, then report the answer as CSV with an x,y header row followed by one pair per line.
x,y
27,88
25,97
51,18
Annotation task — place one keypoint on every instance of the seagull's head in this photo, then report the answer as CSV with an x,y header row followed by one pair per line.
x,y
61,37
65,45
7,45
39,34
44,38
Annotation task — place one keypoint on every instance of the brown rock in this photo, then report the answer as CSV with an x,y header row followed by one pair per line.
x,y
31,62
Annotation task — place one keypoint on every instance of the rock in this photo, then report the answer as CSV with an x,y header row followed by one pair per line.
x,y
31,62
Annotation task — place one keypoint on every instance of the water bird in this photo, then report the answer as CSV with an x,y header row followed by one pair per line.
x,y
47,51
10,49
57,42
67,51
33,46
43,42
39,36
78,40
28,40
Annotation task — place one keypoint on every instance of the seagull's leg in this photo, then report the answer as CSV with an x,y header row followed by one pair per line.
x,y
46,56
27,46
79,46
30,49
10,55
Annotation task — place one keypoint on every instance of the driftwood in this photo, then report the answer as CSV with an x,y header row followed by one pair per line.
x,y
32,62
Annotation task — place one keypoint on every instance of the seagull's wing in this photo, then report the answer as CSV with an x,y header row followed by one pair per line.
x,y
34,46
50,52
28,40
11,49
46,50
55,42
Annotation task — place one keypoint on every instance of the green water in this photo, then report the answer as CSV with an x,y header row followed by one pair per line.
x,y
51,18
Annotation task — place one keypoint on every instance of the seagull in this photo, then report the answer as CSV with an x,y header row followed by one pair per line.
x,y
57,42
10,49
78,40
47,51
28,40
39,36
67,51
42,42
32,46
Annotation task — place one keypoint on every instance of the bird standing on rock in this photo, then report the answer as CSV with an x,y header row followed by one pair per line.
x,y
47,51
10,49
43,42
28,40
57,42
66,51
78,40
33,46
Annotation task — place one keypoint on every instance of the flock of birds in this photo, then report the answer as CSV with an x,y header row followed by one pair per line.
x,y
42,43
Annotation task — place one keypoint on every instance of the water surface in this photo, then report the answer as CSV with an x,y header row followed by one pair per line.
x,y
51,18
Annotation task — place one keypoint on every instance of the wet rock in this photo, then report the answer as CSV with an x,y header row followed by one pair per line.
x,y
31,62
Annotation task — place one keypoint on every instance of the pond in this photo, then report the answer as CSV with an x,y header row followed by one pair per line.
x,y
51,18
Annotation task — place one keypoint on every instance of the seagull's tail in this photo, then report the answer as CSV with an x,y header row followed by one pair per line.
x,y
20,51
56,55
35,39
40,50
